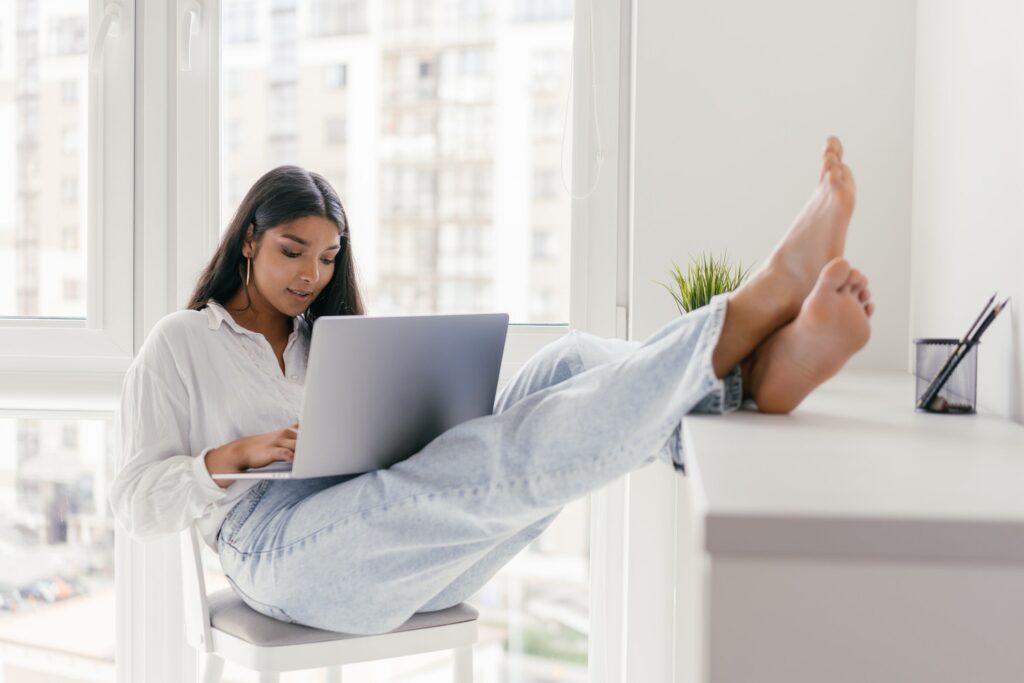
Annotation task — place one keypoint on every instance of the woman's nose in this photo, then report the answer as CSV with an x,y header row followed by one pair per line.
x,y
310,273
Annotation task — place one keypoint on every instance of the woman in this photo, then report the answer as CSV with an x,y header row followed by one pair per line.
x,y
217,388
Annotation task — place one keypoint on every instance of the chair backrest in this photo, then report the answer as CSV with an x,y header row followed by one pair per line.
x,y
193,588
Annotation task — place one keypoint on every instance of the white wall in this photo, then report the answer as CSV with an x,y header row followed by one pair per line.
x,y
969,184
733,102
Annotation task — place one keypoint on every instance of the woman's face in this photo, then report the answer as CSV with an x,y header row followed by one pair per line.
x,y
295,259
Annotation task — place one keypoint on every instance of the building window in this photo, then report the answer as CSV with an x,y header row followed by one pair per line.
x,y
337,17
68,35
69,436
239,19
69,91
544,10
69,189
545,185
542,248
337,75
232,82
547,125
70,141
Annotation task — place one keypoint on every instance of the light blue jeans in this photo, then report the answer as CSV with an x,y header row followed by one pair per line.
x,y
361,553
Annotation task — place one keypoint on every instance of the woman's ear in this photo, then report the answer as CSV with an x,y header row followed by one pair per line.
x,y
247,246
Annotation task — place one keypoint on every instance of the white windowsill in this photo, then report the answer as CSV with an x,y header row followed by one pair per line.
x,y
24,393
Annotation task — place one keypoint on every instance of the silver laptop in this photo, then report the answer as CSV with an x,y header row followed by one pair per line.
x,y
380,388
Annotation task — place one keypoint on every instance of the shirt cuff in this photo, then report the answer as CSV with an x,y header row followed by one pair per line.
x,y
207,485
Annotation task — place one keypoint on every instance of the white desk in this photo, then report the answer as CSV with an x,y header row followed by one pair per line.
x,y
853,540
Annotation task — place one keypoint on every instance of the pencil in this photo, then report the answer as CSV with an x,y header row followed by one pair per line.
x,y
972,342
930,392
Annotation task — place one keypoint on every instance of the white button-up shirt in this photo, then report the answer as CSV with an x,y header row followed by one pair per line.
x,y
200,380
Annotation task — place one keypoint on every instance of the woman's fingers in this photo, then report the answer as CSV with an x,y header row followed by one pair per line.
x,y
287,443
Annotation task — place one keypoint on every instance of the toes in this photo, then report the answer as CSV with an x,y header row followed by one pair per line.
x,y
869,308
856,281
865,295
830,165
835,274
832,144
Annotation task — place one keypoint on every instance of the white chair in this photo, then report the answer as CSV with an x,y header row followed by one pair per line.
x,y
222,627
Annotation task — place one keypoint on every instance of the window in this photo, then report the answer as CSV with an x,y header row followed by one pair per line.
x,y
65,185
240,21
337,17
547,122
415,154
68,35
545,184
70,141
541,247
57,540
69,91
69,189
337,75
44,171
544,10
69,436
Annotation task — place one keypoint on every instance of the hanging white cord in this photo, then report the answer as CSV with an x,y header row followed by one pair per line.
x,y
593,109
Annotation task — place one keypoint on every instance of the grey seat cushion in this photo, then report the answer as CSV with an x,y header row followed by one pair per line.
x,y
229,614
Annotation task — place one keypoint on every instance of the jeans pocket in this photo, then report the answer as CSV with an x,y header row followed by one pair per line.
x,y
239,514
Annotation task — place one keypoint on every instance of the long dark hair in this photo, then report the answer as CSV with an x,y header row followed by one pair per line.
x,y
282,195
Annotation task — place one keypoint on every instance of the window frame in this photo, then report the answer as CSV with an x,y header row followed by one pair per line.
x,y
177,186
36,349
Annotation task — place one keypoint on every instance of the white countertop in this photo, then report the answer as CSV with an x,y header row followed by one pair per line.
x,y
855,472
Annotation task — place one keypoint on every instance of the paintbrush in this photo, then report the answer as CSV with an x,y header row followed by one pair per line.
x,y
930,392
971,343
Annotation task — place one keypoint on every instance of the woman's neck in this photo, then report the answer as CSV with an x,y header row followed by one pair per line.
x,y
271,323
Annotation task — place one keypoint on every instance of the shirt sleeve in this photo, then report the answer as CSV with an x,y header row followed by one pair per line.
x,y
160,487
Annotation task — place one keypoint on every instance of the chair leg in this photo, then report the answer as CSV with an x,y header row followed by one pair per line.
x,y
332,674
213,668
463,664
269,677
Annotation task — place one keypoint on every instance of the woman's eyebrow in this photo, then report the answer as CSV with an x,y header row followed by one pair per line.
x,y
306,244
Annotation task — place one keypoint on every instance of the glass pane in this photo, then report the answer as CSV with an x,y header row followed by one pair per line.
x,y
44,97
439,122
57,545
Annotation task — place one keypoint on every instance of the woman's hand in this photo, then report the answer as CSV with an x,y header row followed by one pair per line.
x,y
253,451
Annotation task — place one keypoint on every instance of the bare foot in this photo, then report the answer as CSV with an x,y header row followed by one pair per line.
x,y
818,234
831,327
775,293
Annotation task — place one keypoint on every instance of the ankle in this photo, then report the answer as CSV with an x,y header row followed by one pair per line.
x,y
772,291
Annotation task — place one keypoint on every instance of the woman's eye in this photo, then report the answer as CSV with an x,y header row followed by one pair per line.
x,y
328,263
291,254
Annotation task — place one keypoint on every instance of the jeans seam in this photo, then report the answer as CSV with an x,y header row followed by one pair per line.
x,y
252,499
245,597
502,484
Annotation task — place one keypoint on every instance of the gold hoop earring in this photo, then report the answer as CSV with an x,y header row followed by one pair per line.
x,y
248,268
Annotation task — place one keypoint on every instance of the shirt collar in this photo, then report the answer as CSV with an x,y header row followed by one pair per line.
x,y
217,314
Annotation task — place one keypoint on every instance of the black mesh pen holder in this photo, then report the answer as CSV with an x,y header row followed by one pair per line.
x,y
959,393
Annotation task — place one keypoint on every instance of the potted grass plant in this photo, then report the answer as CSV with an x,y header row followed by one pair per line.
x,y
706,276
